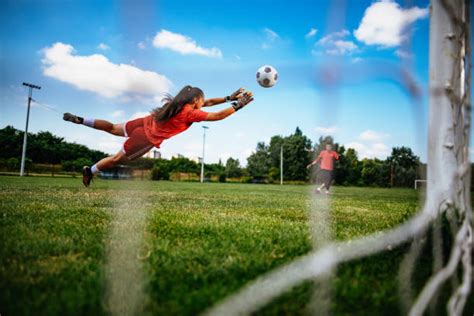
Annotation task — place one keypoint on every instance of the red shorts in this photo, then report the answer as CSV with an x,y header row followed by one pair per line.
x,y
137,143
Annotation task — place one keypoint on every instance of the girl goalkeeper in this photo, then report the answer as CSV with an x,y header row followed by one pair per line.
x,y
175,116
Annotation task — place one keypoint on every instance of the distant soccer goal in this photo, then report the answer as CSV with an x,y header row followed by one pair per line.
x,y
420,183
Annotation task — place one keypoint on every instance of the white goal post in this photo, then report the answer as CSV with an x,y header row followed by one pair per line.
x,y
419,181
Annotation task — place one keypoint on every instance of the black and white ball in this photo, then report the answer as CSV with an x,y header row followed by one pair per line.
x,y
267,76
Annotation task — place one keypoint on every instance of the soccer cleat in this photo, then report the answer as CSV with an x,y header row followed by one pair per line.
x,y
318,191
73,118
86,175
327,192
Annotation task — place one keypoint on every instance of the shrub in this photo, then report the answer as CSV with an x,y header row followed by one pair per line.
x,y
158,173
222,177
246,179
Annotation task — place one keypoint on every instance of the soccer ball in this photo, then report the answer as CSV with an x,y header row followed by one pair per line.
x,y
267,76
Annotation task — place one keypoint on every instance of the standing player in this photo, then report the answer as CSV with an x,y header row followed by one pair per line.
x,y
326,157
175,116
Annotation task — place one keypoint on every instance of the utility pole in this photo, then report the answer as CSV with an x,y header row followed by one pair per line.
x,y
281,164
203,151
23,154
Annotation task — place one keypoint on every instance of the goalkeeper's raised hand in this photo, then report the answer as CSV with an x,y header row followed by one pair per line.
x,y
243,100
235,96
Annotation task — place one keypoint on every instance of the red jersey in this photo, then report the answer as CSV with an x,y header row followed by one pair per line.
x,y
158,132
327,159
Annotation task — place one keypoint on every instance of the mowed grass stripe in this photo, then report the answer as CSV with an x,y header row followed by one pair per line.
x,y
205,242
51,247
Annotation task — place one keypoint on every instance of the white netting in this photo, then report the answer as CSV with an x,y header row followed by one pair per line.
x,y
447,194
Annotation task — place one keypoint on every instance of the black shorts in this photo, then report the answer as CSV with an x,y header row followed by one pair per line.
x,y
325,176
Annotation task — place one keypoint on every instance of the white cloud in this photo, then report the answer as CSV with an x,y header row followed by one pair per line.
x,y
403,54
95,73
356,60
372,150
103,46
312,32
341,47
326,130
333,36
270,34
118,113
380,149
183,44
336,44
270,37
141,45
373,136
385,22
370,144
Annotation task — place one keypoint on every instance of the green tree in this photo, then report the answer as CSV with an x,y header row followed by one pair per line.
x,y
43,147
76,165
161,170
214,169
403,165
374,172
259,162
274,150
182,164
232,168
296,156
350,166
11,141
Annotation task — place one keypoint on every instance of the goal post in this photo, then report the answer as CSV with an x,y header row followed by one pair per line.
x,y
418,182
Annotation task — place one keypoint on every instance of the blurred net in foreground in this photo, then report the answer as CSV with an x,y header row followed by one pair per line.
x,y
447,194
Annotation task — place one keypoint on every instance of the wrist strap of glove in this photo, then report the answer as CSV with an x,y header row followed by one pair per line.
x,y
227,98
237,106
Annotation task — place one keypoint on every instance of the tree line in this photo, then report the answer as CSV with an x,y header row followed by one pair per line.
x,y
44,148
400,169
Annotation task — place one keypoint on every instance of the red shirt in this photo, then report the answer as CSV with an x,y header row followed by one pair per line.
x,y
327,159
158,132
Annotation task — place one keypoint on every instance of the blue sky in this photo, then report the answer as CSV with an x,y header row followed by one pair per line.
x,y
113,60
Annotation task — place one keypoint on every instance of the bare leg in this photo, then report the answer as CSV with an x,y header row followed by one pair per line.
x,y
104,164
106,126
111,161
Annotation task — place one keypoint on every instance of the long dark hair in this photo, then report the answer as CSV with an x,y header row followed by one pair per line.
x,y
173,105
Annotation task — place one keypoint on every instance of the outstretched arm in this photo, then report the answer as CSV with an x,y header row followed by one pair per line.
x,y
233,97
246,98
214,101
217,116
314,162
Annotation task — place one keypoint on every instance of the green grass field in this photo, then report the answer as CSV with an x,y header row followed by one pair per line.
x,y
180,246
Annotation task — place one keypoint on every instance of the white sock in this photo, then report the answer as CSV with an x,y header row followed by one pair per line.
x,y
94,169
89,122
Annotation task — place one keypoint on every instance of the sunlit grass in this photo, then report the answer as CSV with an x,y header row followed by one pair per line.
x,y
201,242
